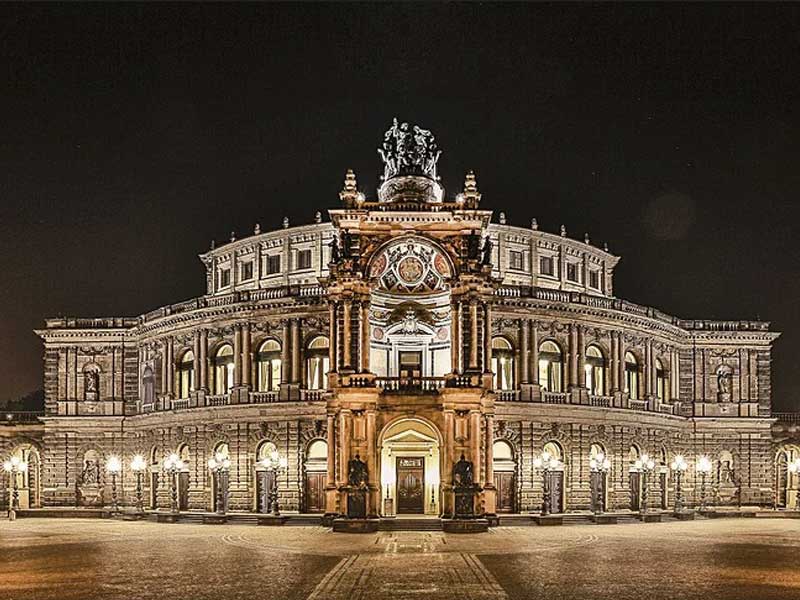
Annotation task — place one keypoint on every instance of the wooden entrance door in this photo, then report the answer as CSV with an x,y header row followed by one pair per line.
x,y
153,490
664,481
636,490
315,492
410,485
556,491
263,487
183,490
504,483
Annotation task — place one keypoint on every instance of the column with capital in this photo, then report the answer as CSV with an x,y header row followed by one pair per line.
x,y
247,356
235,393
374,493
201,394
286,357
455,335
448,499
580,359
473,335
331,508
346,337
489,490
364,345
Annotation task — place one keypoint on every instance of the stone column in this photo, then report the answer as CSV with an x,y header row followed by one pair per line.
x,y
346,338
247,356
296,350
455,336
613,368
581,356
344,445
204,359
164,367
170,366
487,337
573,356
330,474
372,467
365,336
196,365
237,356
647,370
285,356
524,357
332,339
473,334
475,438
490,493
621,362
535,353
448,499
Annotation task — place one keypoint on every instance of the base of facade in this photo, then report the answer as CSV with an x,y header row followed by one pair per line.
x,y
272,520
465,525
167,517
214,519
684,515
548,519
605,519
355,525
651,517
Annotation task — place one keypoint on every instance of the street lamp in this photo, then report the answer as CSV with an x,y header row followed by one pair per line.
x,y
13,466
679,467
644,465
275,464
173,465
545,463
794,469
219,465
599,466
704,468
114,467
138,465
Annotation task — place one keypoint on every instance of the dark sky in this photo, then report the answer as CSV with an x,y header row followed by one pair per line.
x,y
133,135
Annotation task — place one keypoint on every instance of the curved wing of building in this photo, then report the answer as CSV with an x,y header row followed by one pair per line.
x,y
407,356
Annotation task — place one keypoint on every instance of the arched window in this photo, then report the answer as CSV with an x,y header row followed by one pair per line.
x,y
554,450
595,371
265,450
661,382
631,376
223,369
550,361
184,374
318,363
634,453
597,452
148,386
222,450
268,366
502,364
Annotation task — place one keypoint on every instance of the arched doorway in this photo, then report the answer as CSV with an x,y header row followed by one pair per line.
x,y
220,479
787,485
29,481
265,478
635,477
316,467
557,491
410,467
183,478
505,468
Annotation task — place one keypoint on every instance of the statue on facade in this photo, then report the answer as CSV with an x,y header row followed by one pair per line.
x,y
91,384
336,255
358,481
347,244
408,150
91,473
462,473
487,251
464,488
724,383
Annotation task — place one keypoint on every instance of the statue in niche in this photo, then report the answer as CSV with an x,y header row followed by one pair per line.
x,y
335,253
463,474
347,244
357,473
487,251
91,472
91,383
473,247
724,383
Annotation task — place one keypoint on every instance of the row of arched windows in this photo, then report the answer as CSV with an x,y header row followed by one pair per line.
x,y
551,370
268,367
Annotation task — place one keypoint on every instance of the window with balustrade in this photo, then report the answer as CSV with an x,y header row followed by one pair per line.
x,y
503,364
595,371
223,369
631,376
317,363
550,367
268,366
662,390
184,374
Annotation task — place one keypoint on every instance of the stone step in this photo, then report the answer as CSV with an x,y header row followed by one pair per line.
x,y
405,524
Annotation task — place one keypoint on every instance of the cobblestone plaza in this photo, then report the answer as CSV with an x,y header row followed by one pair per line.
x,y
725,559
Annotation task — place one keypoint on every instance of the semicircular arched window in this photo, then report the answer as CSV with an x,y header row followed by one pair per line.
x,y
595,371
268,366
317,363
550,367
503,364
223,369
631,376
184,374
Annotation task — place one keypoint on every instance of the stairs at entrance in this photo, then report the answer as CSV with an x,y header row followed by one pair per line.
x,y
411,523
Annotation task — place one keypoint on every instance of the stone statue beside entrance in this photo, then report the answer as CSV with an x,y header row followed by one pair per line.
x,y
358,484
465,488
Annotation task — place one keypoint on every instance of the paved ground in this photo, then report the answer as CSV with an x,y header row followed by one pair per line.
x,y
724,559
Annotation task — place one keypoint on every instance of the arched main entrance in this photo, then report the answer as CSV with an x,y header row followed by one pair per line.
x,y
410,467
29,481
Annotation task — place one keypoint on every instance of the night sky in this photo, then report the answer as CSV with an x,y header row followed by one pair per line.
x,y
133,135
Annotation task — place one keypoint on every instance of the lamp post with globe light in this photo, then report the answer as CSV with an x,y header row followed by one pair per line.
x,y
545,463
114,468
644,465
599,466
14,466
219,465
275,464
703,468
794,469
172,466
138,465
679,467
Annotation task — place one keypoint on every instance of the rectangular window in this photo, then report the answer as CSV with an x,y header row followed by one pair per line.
x,y
273,264
304,259
516,260
546,265
224,278
594,279
572,271
247,270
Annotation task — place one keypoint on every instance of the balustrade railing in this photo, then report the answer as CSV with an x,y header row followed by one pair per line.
x,y
554,397
410,384
602,401
787,417
312,395
15,417
507,395
180,403
263,397
218,400
637,404
148,407
667,409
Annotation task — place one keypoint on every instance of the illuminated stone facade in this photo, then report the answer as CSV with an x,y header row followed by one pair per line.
x,y
397,333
